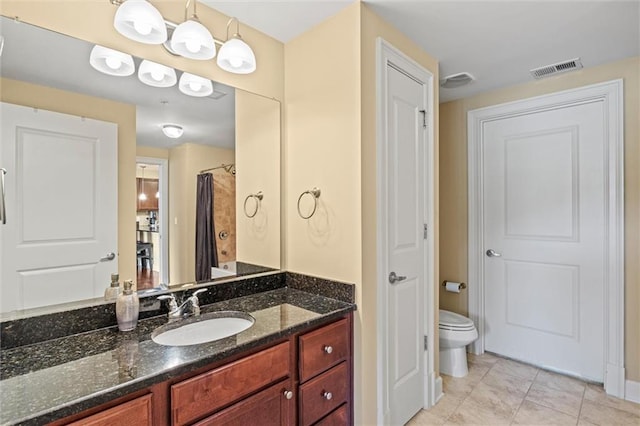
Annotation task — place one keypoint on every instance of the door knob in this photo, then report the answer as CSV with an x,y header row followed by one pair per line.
x,y
393,278
108,258
493,253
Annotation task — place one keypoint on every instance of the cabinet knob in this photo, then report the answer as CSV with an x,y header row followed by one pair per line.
x,y
288,394
327,395
328,349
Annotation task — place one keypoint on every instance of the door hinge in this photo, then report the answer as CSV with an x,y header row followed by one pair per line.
x,y
424,118
425,231
426,343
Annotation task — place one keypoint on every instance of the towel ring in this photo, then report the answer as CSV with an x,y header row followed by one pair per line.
x,y
259,196
315,193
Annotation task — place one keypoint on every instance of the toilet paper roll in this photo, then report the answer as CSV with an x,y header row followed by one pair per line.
x,y
453,287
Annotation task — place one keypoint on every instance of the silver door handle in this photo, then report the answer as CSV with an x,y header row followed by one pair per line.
x,y
108,258
3,210
493,253
393,278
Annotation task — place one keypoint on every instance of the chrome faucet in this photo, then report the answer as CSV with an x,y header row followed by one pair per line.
x,y
176,312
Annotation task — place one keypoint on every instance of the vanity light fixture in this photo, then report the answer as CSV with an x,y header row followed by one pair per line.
x,y
235,55
111,62
140,21
156,75
194,85
142,196
172,131
191,39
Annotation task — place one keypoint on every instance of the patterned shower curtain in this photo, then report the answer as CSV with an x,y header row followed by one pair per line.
x,y
206,251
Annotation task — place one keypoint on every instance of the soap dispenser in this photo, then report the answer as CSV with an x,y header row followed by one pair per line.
x,y
112,292
127,308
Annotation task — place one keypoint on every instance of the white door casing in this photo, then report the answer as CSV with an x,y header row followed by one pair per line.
x,y
61,199
405,203
571,185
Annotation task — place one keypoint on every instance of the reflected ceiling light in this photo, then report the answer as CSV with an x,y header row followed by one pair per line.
x,y
172,131
235,55
156,75
191,39
111,62
194,85
138,20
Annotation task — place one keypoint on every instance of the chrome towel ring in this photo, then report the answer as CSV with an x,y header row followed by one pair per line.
x,y
315,193
258,197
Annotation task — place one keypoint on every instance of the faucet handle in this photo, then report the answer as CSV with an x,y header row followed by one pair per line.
x,y
197,292
173,303
195,302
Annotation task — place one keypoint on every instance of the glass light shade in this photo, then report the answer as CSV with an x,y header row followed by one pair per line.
x,y
111,62
236,56
156,75
138,20
172,131
194,85
193,40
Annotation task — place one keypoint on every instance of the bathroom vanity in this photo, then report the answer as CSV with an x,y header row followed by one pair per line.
x,y
293,366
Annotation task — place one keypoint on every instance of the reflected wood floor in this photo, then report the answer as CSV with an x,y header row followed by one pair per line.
x,y
147,278
499,391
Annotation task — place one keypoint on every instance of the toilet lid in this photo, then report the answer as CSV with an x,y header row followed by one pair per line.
x,y
451,320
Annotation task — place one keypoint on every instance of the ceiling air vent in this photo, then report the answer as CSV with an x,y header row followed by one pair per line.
x,y
560,67
456,80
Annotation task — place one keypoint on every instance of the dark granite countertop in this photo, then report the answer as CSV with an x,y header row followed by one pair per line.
x,y
49,380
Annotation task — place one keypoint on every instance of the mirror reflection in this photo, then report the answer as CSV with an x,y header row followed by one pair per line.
x,y
191,162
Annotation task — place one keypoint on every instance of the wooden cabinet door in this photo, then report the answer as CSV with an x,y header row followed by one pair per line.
x,y
136,412
150,188
267,408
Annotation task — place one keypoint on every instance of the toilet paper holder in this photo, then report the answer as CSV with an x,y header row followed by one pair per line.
x,y
462,285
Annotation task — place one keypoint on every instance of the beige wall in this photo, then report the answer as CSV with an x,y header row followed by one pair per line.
x,y
185,163
124,115
453,175
258,169
331,143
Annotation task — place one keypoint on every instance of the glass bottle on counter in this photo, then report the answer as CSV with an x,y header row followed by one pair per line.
x,y
112,292
127,308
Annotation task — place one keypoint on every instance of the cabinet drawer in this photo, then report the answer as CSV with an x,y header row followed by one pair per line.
x,y
133,413
321,395
267,408
339,417
323,348
194,398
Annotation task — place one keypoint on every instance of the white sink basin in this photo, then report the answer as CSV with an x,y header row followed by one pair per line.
x,y
202,329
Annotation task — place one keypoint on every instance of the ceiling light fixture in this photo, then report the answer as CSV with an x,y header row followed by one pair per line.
x,y
235,55
142,196
140,21
194,85
172,131
111,62
156,75
191,39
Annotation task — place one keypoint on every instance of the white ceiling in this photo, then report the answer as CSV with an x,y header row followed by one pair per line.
x,y
498,42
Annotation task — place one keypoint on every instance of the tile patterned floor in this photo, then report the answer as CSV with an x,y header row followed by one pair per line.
x,y
499,391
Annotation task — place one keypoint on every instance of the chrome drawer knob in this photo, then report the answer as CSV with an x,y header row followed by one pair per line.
x,y
327,395
288,394
328,349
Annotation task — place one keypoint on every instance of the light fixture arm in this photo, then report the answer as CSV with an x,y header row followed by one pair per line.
x,y
186,11
237,33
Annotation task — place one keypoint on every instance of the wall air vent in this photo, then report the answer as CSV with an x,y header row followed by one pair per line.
x,y
560,67
456,80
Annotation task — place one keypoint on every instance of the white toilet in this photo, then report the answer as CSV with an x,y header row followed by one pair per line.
x,y
456,332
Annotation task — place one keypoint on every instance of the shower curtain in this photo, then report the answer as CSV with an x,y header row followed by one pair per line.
x,y
206,251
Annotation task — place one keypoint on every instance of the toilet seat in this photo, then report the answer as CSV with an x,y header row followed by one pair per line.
x,y
454,322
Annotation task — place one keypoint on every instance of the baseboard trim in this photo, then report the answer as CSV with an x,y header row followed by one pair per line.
x,y
632,391
438,394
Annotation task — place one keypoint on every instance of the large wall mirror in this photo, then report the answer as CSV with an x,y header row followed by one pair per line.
x,y
78,146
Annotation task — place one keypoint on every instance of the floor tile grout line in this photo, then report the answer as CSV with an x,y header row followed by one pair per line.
x,y
584,393
513,418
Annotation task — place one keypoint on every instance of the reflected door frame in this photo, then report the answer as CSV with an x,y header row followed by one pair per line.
x,y
611,94
163,211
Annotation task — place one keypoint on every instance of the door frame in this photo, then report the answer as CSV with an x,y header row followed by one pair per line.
x,y
387,54
611,94
163,211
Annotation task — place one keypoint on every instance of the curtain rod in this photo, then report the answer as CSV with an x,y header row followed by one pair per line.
x,y
230,168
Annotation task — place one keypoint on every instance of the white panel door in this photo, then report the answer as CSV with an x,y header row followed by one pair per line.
x,y
405,242
544,210
61,201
